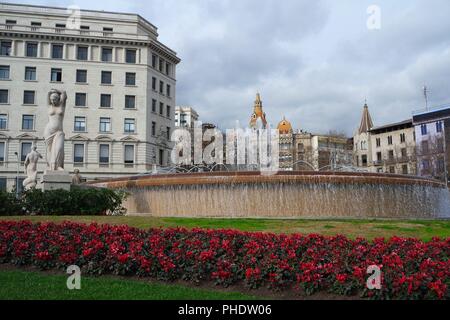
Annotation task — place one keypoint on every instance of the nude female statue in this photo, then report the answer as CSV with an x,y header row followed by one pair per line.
x,y
31,168
53,133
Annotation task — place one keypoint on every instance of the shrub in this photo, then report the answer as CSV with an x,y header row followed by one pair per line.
x,y
9,204
411,269
77,201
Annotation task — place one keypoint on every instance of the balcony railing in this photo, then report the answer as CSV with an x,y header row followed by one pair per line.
x,y
77,32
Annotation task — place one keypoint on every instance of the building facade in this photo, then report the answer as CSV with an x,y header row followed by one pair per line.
x,y
389,148
432,130
120,83
185,117
393,148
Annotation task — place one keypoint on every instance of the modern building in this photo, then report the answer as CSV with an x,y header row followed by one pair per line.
x,y
185,117
432,130
120,81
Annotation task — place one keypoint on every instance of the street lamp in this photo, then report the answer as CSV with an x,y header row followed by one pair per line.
x,y
17,177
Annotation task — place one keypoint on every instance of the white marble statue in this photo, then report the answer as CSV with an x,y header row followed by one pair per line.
x,y
31,168
54,134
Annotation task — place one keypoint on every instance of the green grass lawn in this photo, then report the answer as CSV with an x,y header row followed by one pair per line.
x,y
369,229
30,285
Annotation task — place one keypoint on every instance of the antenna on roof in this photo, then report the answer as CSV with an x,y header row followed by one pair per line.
x,y
425,94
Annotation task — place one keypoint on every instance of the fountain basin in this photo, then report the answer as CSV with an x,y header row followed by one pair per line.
x,y
284,195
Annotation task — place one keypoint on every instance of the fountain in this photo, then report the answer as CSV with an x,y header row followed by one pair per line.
x,y
302,194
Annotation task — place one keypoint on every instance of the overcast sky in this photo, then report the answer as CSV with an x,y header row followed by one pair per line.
x,y
314,62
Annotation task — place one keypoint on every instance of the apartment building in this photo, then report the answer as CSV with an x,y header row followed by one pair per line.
x,y
432,130
120,83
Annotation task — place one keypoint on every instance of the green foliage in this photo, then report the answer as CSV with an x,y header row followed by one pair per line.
x,y
77,201
9,204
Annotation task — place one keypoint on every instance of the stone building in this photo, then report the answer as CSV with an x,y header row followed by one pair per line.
x,y
385,149
120,81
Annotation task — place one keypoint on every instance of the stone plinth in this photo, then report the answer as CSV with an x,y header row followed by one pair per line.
x,y
56,180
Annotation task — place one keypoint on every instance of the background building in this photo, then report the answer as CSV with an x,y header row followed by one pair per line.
x,y
185,117
120,81
432,130
393,148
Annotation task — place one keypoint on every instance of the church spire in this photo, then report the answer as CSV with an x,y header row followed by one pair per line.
x,y
366,120
258,113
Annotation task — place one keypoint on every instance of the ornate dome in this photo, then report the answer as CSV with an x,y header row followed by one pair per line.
x,y
284,126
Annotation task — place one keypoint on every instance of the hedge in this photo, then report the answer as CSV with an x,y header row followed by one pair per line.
x,y
77,201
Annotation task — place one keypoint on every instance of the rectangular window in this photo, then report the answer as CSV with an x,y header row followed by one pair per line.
x,y
168,133
85,28
161,108
154,83
28,97
27,122
105,124
379,157
104,153
130,79
130,126
389,140
405,169
4,72
154,105
402,137
2,152
5,48
129,154
106,54
8,21
391,155
105,101
60,25
391,169
168,110
36,24
130,102
4,96
378,141
3,184
80,99
30,73
130,56
56,75
32,49
25,149
423,129
154,60
153,128
3,122
81,76
107,29
80,124
78,153
161,87
439,126
57,51
82,53
161,157
168,69
161,65
106,77
168,90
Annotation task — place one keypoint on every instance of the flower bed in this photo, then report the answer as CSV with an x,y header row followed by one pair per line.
x,y
411,269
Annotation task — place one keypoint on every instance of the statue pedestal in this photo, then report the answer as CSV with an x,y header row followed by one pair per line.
x,y
56,180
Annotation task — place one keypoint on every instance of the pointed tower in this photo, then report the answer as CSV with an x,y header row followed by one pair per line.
x,y
258,119
366,120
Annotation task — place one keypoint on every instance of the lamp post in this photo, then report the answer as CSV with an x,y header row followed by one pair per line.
x,y
17,177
